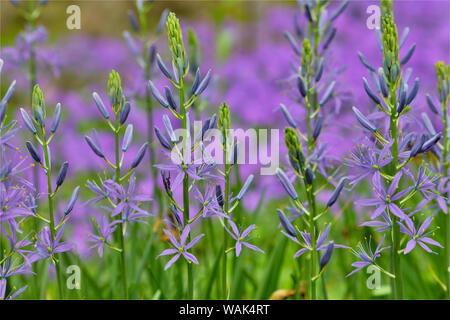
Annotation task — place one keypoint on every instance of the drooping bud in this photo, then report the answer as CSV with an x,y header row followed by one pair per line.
x,y
139,156
286,184
370,92
337,191
365,62
157,95
309,175
288,116
97,150
163,67
417,146
127,138
133,21
100,106
124,112
363,120
430,143
288,227
328,94
72,201
162,139
62,174
245,187
301,86
33,152
27,120
219,196
56,118
293,43
326,256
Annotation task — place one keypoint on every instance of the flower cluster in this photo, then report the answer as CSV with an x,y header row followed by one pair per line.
x,y
386,158
307,156
124,203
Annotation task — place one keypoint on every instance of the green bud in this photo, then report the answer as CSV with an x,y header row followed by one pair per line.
x,y
306,59
386,6
38,104
391,56
175,35
224,118
115,92
296,156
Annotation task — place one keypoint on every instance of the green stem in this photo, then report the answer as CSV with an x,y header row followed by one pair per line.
x,y
50,210
446,264
226,207
185,153
310,194
396,283
121,229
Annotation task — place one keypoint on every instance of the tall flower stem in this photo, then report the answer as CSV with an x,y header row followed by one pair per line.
x,y
33,82
121,229
50,209
397,283
446,264
226,207
310,192
185,179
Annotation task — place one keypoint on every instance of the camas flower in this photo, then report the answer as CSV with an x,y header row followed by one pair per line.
x,y
15,244
46,247
240,237
418,236
12,203
208,201
425,184
10,296
385,200
306,244
128,198
366,255
105,231
180,248
367,160
380,225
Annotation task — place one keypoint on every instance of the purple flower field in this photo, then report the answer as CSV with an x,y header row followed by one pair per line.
x,y
282,150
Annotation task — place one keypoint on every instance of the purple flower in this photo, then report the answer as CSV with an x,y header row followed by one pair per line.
x,y
240,237
380,225
12,203
180,248
306,244
128,198
424,183
94,187
16,245
46,247
418,236
367,160
385,200
11,295
208,201
105,230
366,255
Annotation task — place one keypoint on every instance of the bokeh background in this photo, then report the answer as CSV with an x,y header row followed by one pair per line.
x,y
243,43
